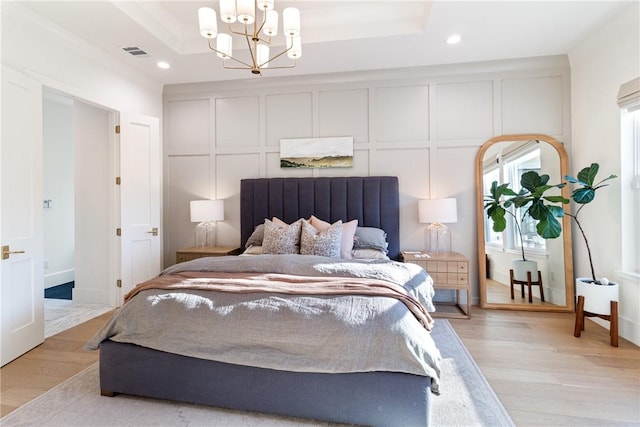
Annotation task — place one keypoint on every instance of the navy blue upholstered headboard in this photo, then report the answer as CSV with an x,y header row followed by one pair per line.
x,y
374,201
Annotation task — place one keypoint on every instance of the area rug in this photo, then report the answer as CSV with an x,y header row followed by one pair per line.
x,y
466,400
60,314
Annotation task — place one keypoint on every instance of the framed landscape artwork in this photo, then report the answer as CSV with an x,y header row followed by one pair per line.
x,y
334,152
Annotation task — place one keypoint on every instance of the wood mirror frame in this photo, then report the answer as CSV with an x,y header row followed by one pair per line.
x,y
569,305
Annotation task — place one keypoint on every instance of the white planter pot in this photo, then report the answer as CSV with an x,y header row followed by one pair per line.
x,y
521,267
597,298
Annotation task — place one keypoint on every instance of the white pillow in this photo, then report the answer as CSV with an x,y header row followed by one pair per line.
x,y
348,232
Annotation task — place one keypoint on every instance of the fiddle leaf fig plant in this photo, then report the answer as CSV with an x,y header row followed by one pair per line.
x,y
529,201
584,194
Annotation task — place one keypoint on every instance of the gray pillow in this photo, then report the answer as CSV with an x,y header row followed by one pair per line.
x,y
256,237
370,238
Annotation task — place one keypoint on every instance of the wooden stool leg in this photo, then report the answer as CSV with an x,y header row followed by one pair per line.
x,y
540,283
579,326
613,327
529,287
511,281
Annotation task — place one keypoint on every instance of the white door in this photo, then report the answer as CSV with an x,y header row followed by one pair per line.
x,y
140,195
21,266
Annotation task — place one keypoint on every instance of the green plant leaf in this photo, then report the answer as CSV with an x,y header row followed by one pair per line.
x,y
556,199
549,227
531,180
583,195
496,213
588,174
556,211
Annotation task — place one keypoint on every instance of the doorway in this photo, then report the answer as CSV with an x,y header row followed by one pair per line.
x,y
77,166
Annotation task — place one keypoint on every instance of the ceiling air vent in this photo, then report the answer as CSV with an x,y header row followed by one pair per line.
x,y
135,51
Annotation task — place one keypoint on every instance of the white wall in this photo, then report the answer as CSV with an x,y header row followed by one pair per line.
x,y
60,61
58,186
63,62
599,66
422,125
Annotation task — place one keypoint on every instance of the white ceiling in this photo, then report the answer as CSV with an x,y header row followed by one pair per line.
x,y
336,35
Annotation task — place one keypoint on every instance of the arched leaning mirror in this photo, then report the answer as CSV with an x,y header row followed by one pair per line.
x,y
505,159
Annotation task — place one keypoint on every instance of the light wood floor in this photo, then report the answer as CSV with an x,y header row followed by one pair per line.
x,y
540,372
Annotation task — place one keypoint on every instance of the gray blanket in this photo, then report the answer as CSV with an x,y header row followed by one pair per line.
x,y
286,332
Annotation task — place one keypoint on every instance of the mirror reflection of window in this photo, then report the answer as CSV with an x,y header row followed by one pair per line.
x,y
508,167
514,166
491,237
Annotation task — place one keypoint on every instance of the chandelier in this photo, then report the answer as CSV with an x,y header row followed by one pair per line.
x,y
240,17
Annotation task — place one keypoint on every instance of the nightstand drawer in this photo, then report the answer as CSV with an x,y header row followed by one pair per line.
x,y
448,271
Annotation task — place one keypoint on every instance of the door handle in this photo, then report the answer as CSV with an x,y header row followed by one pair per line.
x,y
154,231
6,252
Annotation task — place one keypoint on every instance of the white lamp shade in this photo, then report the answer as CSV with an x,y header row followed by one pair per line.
x,y
208,22
228,11
265,4
246,11
291,22
432,211
263,55
224,45
270,27
294,44
207,210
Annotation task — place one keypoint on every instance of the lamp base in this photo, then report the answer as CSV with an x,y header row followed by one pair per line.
x,y
205,234
437,238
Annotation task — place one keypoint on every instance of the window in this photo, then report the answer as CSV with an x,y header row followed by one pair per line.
x,y
630,186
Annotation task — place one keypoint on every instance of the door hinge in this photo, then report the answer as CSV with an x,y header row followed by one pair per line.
x,y
119,283
117,180
117,128
118,232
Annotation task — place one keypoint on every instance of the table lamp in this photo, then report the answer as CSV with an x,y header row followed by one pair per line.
x,y
206,213
436,212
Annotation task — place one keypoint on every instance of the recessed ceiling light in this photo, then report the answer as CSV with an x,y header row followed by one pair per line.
x,y
164,65
454,39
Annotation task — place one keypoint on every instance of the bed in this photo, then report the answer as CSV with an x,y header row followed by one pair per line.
x,y
392,389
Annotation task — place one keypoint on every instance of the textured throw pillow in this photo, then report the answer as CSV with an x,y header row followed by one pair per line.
x,y
370,238
348,232
281,239
325,243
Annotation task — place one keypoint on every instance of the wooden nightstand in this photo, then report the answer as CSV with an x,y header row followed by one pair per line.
x,y
449,271
188,254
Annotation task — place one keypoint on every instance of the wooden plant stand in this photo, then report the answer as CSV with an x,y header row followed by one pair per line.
x,y
613,318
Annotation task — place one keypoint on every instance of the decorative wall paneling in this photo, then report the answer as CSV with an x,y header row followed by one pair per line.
x,y
424,130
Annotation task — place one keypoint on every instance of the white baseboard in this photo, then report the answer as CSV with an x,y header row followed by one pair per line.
x,y
59,278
